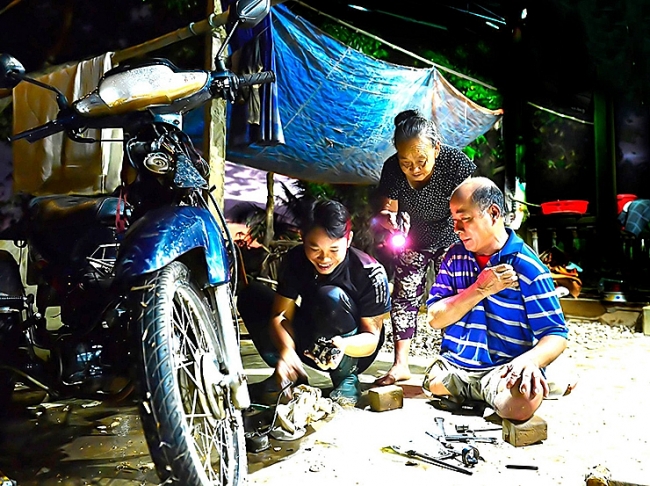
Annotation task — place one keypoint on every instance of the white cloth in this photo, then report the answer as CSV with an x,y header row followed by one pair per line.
x,y
56,164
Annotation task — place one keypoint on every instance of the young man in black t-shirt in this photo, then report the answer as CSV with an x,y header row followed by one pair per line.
x,y
344,297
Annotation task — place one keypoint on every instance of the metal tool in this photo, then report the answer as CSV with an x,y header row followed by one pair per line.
x,y
438,461
440,422
463,429
469,456
466,438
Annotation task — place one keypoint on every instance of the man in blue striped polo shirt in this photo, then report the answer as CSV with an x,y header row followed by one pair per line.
x,y
496,302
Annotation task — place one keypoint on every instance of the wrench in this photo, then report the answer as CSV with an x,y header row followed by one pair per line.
x,y
431,460
462,438
440,422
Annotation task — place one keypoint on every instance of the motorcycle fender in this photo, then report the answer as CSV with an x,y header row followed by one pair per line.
x,y
163,235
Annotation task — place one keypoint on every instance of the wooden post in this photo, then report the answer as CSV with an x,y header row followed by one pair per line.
x,y
270,210
214,135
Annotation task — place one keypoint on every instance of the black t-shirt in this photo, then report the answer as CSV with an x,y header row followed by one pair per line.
x,y
428,207
362,277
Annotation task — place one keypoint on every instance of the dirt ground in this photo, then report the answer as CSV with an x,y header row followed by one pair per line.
x,y
604,421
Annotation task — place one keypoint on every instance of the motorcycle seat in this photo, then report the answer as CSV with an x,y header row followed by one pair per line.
x,y
73,210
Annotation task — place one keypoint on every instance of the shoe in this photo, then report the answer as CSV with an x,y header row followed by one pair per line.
x,y
348,391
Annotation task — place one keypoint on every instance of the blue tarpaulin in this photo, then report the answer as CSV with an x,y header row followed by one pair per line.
x,y
337,105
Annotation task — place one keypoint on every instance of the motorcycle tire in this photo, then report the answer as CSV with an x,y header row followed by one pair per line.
x,y
10,329
194,433
8,347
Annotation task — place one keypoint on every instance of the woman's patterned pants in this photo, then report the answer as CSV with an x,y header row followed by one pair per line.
x,y
408,288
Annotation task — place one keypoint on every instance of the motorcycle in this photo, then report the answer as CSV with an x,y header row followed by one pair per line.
x,y
144,278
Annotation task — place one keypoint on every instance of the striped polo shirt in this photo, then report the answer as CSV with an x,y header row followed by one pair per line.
x,y
504,325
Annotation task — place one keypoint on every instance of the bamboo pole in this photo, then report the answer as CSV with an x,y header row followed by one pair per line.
x,y
214,21
214,132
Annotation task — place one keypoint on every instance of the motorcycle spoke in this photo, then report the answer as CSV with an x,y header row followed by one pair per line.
x,y
212,437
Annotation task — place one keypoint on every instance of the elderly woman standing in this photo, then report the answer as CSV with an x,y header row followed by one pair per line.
x,y
416,184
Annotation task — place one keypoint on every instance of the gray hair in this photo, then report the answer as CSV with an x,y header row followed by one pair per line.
x,y
410,124
487,194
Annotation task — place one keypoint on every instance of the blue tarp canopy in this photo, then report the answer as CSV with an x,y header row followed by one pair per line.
x,y
336,108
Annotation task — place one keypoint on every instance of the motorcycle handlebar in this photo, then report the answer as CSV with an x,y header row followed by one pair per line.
x,y
264,77
37,133
70,120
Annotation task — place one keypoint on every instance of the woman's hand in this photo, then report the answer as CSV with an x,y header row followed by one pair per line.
x,y
388,220
404,222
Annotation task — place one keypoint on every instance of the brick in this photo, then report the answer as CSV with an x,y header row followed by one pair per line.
x,y
646,320
384,398
525,433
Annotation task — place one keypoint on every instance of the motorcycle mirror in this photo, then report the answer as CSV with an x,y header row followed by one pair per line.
x,y
249,13
11,71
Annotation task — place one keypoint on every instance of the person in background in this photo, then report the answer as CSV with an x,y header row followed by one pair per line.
x,y
635,217
415,187
344,297
497,304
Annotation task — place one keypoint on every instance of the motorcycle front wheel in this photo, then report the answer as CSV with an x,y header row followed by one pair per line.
x,y
195,435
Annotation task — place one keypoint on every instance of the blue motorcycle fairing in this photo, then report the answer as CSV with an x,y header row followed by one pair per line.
x,y
164,234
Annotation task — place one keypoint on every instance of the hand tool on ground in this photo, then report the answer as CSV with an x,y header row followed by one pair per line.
x,y
469,456
440,422
463,429
466,438
522,466
437,461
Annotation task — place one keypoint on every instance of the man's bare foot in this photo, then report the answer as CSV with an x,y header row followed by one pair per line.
x,y
394,375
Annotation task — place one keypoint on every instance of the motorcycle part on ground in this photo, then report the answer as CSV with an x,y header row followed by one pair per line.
x,y
257,442
194,433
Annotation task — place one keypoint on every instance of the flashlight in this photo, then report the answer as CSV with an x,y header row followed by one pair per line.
x,y
398,239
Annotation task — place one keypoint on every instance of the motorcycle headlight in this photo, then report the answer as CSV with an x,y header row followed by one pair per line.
x,y
140,88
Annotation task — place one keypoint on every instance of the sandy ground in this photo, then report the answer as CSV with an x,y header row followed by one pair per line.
x,y
604,421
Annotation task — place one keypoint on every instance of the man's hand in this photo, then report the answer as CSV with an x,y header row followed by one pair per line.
x,y
493,280
532,381
327,354
289,368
